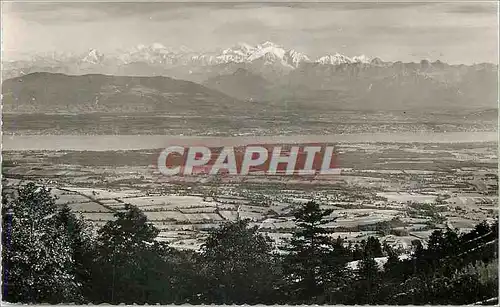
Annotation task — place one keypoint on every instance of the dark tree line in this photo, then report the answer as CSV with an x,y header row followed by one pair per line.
x,y
51,256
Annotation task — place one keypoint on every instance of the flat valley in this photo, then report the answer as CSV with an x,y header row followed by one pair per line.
x,y
399,191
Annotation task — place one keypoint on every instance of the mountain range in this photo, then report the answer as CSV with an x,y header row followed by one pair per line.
x,y
157,59
159,55
157,78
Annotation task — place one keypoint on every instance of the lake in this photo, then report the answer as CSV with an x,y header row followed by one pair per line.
x,y
136,142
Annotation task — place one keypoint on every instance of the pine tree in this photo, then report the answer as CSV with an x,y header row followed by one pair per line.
x,y
37,257
391,266
82,246
313,261
238,265
129,261
373,248
369,281
358,252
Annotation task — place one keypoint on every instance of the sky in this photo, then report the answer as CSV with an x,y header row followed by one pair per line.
x,y
454,32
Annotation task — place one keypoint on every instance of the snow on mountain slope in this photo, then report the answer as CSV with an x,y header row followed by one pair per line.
x,y
237,53
361,59
336,59
268,59
295,58
93,57
153,54
267,53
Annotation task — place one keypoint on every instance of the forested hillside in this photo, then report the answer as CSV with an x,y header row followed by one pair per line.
x,y
50,255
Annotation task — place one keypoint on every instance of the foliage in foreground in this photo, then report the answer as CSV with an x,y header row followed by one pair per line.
x,y
51,256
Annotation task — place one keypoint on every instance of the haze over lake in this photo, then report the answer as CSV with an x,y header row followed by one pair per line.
x,y
134,142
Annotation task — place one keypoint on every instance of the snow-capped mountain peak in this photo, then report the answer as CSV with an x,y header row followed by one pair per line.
x,y
268,44
294,58
336,59
361,59
268,51
153,48
244,48
93,57
157,54
238,53
376,62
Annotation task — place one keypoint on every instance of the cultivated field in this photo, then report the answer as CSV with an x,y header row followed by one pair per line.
x,y
399,191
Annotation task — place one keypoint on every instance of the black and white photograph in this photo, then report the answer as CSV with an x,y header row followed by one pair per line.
x,y
249,153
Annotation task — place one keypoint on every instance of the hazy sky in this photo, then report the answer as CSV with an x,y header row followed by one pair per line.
x,y
458,32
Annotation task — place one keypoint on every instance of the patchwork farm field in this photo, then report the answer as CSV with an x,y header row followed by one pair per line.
x,y
397,191
297,119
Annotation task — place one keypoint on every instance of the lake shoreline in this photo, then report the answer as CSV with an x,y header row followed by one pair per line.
x,y
137,142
